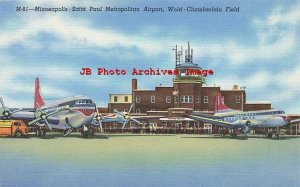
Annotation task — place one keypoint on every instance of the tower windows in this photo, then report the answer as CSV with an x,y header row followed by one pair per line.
x,y
137,99
238,99
168,99
186,98
205,99
152,98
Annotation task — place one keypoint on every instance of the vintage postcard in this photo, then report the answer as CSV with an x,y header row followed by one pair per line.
x,y
149,93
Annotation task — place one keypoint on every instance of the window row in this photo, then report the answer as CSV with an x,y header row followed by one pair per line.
x,y
184,99
116,98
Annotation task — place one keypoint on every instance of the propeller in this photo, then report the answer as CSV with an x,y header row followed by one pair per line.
x,y
99,118
6,112
126,116
42,116
246,129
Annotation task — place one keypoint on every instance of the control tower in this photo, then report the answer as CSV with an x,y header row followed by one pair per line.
x,y
187,87
182,67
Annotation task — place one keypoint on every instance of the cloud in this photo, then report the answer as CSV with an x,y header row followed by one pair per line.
x,y
11,102
281,16
14,79
289,82
281,88
238,54
276,37
277,34
76,34
250,80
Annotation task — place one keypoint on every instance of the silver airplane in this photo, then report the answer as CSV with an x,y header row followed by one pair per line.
x,y
117,117
65,114
244,121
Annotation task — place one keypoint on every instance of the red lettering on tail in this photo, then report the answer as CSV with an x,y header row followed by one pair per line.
x,y
38,100
219,104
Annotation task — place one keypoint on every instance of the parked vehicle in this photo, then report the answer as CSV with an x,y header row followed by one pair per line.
x,y
13,128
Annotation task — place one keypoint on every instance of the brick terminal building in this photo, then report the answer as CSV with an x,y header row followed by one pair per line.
x,y
187,94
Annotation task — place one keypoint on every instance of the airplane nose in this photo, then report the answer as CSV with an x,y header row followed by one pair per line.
x,y
288,118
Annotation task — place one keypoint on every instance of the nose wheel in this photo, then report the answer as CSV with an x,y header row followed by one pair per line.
x,y
272,132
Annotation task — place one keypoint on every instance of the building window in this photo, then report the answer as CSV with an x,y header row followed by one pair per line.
x,y
152,99
115,99
237,99
185,99
152,109
178,125
168,99
197,100
205,100
126,98
176,99
137,99
137,111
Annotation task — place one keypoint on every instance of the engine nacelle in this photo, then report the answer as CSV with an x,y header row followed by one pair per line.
x,y
241,123
244,125
248,123
246,129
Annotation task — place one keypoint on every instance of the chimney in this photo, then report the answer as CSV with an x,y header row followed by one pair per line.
x,y
134,84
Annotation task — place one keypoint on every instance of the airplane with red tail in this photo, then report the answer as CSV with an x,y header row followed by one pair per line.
x,y
65,114
244,121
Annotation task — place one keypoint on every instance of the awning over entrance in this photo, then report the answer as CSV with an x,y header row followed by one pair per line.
x,y
176,119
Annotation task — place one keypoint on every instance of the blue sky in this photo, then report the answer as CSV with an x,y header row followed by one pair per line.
x,y
257,48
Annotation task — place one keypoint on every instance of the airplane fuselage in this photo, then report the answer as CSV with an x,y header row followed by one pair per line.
x,y
73,112
258,119
80,112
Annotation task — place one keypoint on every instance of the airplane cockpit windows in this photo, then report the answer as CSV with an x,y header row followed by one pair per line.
x,y
83,102
279,112
89,102
80,102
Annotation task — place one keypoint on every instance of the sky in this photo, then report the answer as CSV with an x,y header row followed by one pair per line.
x,y
257,47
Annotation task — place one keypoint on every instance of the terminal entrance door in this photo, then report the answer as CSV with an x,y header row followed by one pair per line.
x,y
178,126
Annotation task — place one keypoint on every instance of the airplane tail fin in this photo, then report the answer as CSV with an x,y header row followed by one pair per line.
x,y
220,107
38,100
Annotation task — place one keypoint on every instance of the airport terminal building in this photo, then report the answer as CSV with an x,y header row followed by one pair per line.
x,y
188,91
163,106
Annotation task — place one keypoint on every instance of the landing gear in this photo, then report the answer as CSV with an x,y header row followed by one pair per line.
x,y
67,132
277,136
269,135
272,132
40,132
233,135
87,131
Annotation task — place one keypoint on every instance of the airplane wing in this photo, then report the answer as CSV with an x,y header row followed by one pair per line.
x,y
146,117
22,115
204,115
295,121
214,121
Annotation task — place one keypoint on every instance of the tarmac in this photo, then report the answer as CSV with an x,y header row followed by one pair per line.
x,y
149,160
